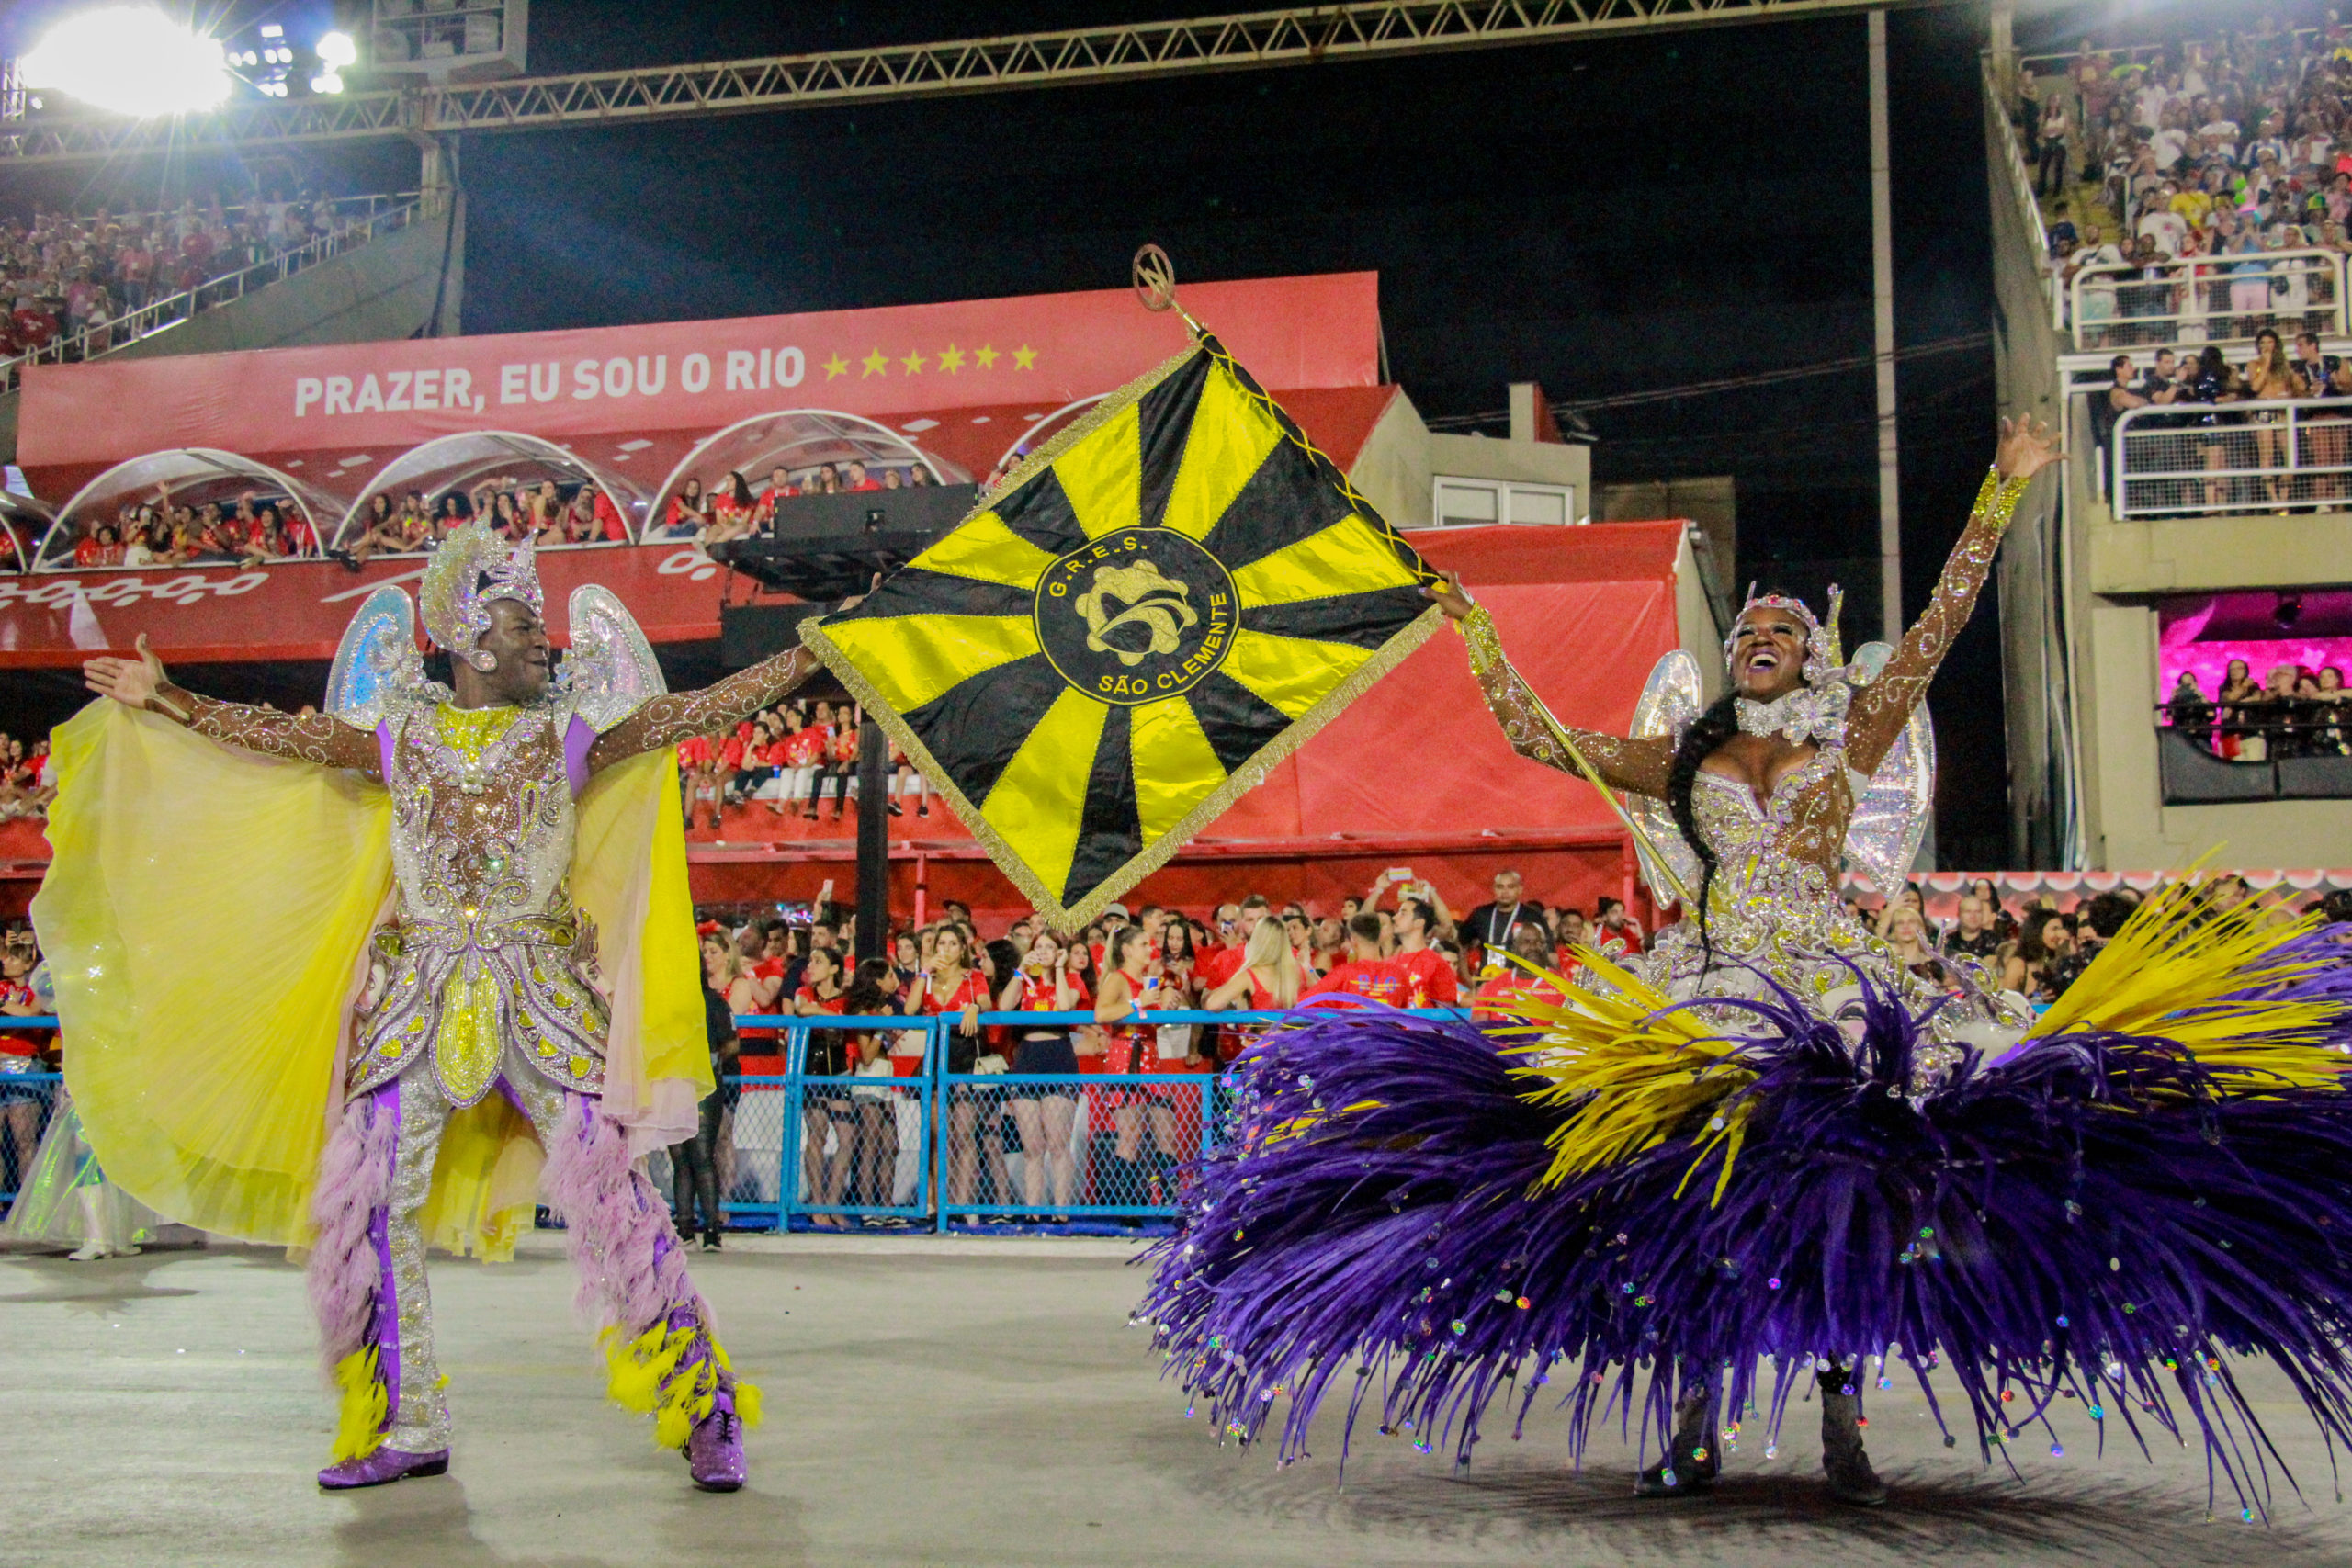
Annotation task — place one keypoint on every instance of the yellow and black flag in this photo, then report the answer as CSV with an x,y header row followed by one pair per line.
x,y
1156,607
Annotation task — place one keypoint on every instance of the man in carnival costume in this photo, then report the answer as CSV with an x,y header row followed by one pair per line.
x,y
1765,1142
462,951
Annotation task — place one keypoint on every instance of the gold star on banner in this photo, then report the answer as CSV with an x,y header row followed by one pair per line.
x,y
913,362
836,365
877,364
1024,358
986,357
951,359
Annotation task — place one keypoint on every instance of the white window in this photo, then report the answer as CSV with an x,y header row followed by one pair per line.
x,y
1466,503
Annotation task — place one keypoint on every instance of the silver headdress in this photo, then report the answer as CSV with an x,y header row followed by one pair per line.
x,y
1821,650
1817,710
473,567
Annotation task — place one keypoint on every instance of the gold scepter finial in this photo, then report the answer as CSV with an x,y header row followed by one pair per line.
x,y
1154,283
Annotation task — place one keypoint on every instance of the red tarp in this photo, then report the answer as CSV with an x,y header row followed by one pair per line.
x,y
1416,768
1415,773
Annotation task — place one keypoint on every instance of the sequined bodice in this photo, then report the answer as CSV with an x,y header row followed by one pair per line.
x,y
1803,818
483,815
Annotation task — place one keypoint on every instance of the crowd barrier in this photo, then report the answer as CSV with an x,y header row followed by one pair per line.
x,y
925,1148
932,1148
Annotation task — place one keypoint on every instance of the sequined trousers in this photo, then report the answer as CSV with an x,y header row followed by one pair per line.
x,y
398,1128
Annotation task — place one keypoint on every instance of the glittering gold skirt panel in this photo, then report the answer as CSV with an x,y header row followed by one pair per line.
x,y
459,994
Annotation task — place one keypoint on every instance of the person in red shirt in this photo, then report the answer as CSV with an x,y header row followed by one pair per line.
x,y
1133,984
1268,980
1366,974
804,754
764,959
842,749
824,1108
780,488
950,984
856,479
1044,1113
1503,983
1619,932
693,753
1431,976
21,1103
1221,962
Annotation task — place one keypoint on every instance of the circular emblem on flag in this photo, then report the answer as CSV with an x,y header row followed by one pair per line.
x,y
1137,615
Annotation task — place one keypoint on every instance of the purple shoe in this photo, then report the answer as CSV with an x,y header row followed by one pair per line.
x,y
715,1449
391,1464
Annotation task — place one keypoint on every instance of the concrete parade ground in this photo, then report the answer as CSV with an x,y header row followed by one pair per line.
x,y
944,1402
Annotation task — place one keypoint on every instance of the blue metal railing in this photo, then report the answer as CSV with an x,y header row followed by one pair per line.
x,y
933,1149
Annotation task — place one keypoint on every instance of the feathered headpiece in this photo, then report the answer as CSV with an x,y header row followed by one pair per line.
x,y
1822,653
473,567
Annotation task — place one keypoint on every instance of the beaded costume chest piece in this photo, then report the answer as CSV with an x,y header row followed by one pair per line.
x,y
486,945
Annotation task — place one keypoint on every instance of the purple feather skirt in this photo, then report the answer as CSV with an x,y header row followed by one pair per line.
x,y
2083,1233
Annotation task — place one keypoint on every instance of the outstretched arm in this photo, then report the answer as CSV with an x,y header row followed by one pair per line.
x,y
668,719
317,737
1640,767
1881,708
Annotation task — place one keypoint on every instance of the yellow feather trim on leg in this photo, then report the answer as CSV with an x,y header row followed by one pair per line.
x,y
360,1425
652,1376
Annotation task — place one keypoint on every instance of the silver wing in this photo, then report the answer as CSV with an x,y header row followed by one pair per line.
x,y
610,669
1671,699
1891,808
377,664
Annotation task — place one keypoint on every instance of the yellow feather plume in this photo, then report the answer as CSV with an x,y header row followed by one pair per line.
x,y
646,1377
2171,971
1632,1070
359,1426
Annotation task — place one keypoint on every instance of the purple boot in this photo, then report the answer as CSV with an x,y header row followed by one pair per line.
x,y
715,1449
392,1464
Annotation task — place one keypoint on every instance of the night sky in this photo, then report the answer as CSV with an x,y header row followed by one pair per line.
x,y
1600,218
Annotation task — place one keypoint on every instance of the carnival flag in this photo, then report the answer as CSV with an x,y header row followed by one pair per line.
x,y
1154,608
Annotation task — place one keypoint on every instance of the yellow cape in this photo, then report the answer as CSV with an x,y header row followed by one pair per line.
x,y
206,919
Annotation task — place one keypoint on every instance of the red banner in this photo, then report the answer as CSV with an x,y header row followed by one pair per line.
x,y
1042,348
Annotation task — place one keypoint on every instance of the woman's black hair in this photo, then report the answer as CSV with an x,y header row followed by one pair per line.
x,y
864,998
1709,730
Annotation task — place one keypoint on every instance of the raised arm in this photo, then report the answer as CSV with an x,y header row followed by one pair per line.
x,y
1640,767
1881,708
668,719
317,737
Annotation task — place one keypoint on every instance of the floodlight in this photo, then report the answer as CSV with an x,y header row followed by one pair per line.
x,y
336,50
271,29
329,82
130,59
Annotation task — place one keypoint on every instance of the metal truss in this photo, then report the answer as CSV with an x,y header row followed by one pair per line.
x,y
1294,36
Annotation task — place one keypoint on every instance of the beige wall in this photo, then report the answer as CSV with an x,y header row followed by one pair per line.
x,y
1402,456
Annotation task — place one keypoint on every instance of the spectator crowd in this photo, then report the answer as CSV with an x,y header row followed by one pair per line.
x,y
63,275
2234,147
2293,711
732,509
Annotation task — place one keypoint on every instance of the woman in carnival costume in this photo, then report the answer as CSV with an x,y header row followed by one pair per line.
x,y
1764,1142
374,979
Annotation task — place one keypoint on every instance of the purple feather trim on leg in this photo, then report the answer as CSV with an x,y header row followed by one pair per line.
x,y
632,1274
354,1184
